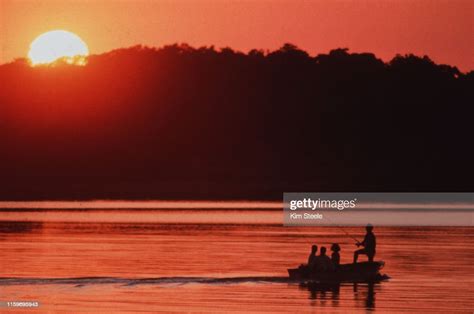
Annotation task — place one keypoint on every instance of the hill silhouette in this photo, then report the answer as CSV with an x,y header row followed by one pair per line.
x,y
181,122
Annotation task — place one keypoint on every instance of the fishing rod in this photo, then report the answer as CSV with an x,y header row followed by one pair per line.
x,y
347,233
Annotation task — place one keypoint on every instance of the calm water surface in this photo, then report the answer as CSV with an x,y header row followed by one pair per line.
x,y
218,261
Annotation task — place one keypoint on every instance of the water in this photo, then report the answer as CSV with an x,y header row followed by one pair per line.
x,y
218,261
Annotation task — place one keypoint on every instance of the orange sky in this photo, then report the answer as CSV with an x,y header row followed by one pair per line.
x,y
442,29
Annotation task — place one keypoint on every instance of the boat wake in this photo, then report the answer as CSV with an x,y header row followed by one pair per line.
x,y
83,281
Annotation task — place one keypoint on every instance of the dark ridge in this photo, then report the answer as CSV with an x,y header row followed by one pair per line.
x,y
184,123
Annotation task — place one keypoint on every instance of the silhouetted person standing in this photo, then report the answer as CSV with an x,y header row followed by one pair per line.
x,y
369,244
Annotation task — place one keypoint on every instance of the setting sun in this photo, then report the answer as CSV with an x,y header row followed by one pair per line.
x,y
58,44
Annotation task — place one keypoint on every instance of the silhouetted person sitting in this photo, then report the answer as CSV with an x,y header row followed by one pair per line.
x,y
323,262
312,257
335,257
369,244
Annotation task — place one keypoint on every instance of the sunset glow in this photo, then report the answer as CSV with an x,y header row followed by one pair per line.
x,y
385,28
58,44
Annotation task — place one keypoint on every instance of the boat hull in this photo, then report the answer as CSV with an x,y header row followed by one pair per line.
x,y
359,272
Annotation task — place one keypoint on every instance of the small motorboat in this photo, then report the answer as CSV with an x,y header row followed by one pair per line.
x,y
358,272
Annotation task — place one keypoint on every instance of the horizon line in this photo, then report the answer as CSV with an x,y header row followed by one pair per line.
x,y
215,204
141,204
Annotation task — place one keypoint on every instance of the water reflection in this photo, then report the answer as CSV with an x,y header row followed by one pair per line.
x,y
363,293
368,296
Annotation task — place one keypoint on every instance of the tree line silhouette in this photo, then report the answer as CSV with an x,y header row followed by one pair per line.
x,y
184,122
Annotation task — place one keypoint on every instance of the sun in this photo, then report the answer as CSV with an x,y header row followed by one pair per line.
x,y
58,44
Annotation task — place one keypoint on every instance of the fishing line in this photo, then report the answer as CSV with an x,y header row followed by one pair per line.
x,y
330,220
